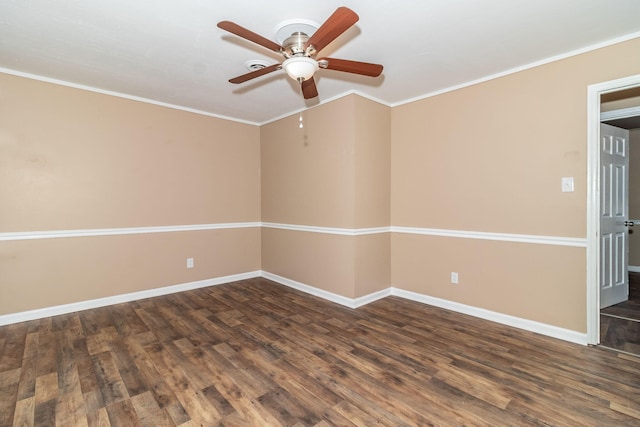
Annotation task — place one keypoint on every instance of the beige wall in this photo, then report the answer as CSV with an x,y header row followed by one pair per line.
x,y
307,174
72,159
490,158
518,279
486,158
372,164
372,263
634,196
50,272
76,159
307,179
334,172
321,260
621,104
372,198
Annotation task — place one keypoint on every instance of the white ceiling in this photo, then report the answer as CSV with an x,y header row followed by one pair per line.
x,y
171,51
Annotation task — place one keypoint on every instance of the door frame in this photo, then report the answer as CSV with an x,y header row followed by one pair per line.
x,y
594,92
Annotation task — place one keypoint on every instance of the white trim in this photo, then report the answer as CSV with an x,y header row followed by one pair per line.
x,y
634,268
57,234
328,230
503,237
516,322
118,299
368,299
354,232
180,107
465,84
370,98
620,114
326,101
329,296
521,68
594,92
350,92
121,95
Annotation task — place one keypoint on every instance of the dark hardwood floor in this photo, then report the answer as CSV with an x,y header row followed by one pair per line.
x,y
255,353
620,323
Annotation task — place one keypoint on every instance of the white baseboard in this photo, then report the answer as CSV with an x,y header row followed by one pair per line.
x,y
329,296
516,322
117,299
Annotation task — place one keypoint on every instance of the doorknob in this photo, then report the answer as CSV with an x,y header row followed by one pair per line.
x,y
628,223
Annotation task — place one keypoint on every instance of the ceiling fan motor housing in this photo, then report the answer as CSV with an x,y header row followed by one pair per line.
x,y
294,45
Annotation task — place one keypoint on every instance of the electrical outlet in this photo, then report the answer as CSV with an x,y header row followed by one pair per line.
x,y
454,277
189,262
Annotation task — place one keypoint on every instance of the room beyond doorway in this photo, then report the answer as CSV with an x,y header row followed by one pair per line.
x,y
595,93
620,323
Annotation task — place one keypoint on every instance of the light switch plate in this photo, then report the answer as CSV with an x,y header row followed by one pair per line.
x,y
567,184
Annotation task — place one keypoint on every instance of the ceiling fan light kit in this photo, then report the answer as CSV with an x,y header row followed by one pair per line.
x,y
300,68
299,49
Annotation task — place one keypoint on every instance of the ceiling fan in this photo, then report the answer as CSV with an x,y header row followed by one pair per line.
x,y
300,50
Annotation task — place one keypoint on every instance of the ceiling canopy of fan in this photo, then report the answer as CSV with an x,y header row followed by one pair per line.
x,y
300,50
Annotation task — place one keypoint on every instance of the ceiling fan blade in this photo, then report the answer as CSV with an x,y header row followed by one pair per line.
x,y
341,20
309,89
257,73
249,35
355,67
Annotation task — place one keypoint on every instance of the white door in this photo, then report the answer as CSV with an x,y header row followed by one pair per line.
x,y
614,211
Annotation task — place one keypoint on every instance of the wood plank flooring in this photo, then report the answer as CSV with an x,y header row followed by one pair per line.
x,y
620,323
255,353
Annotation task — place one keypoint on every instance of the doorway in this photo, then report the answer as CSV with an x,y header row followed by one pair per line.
x,y
620,290
595,93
